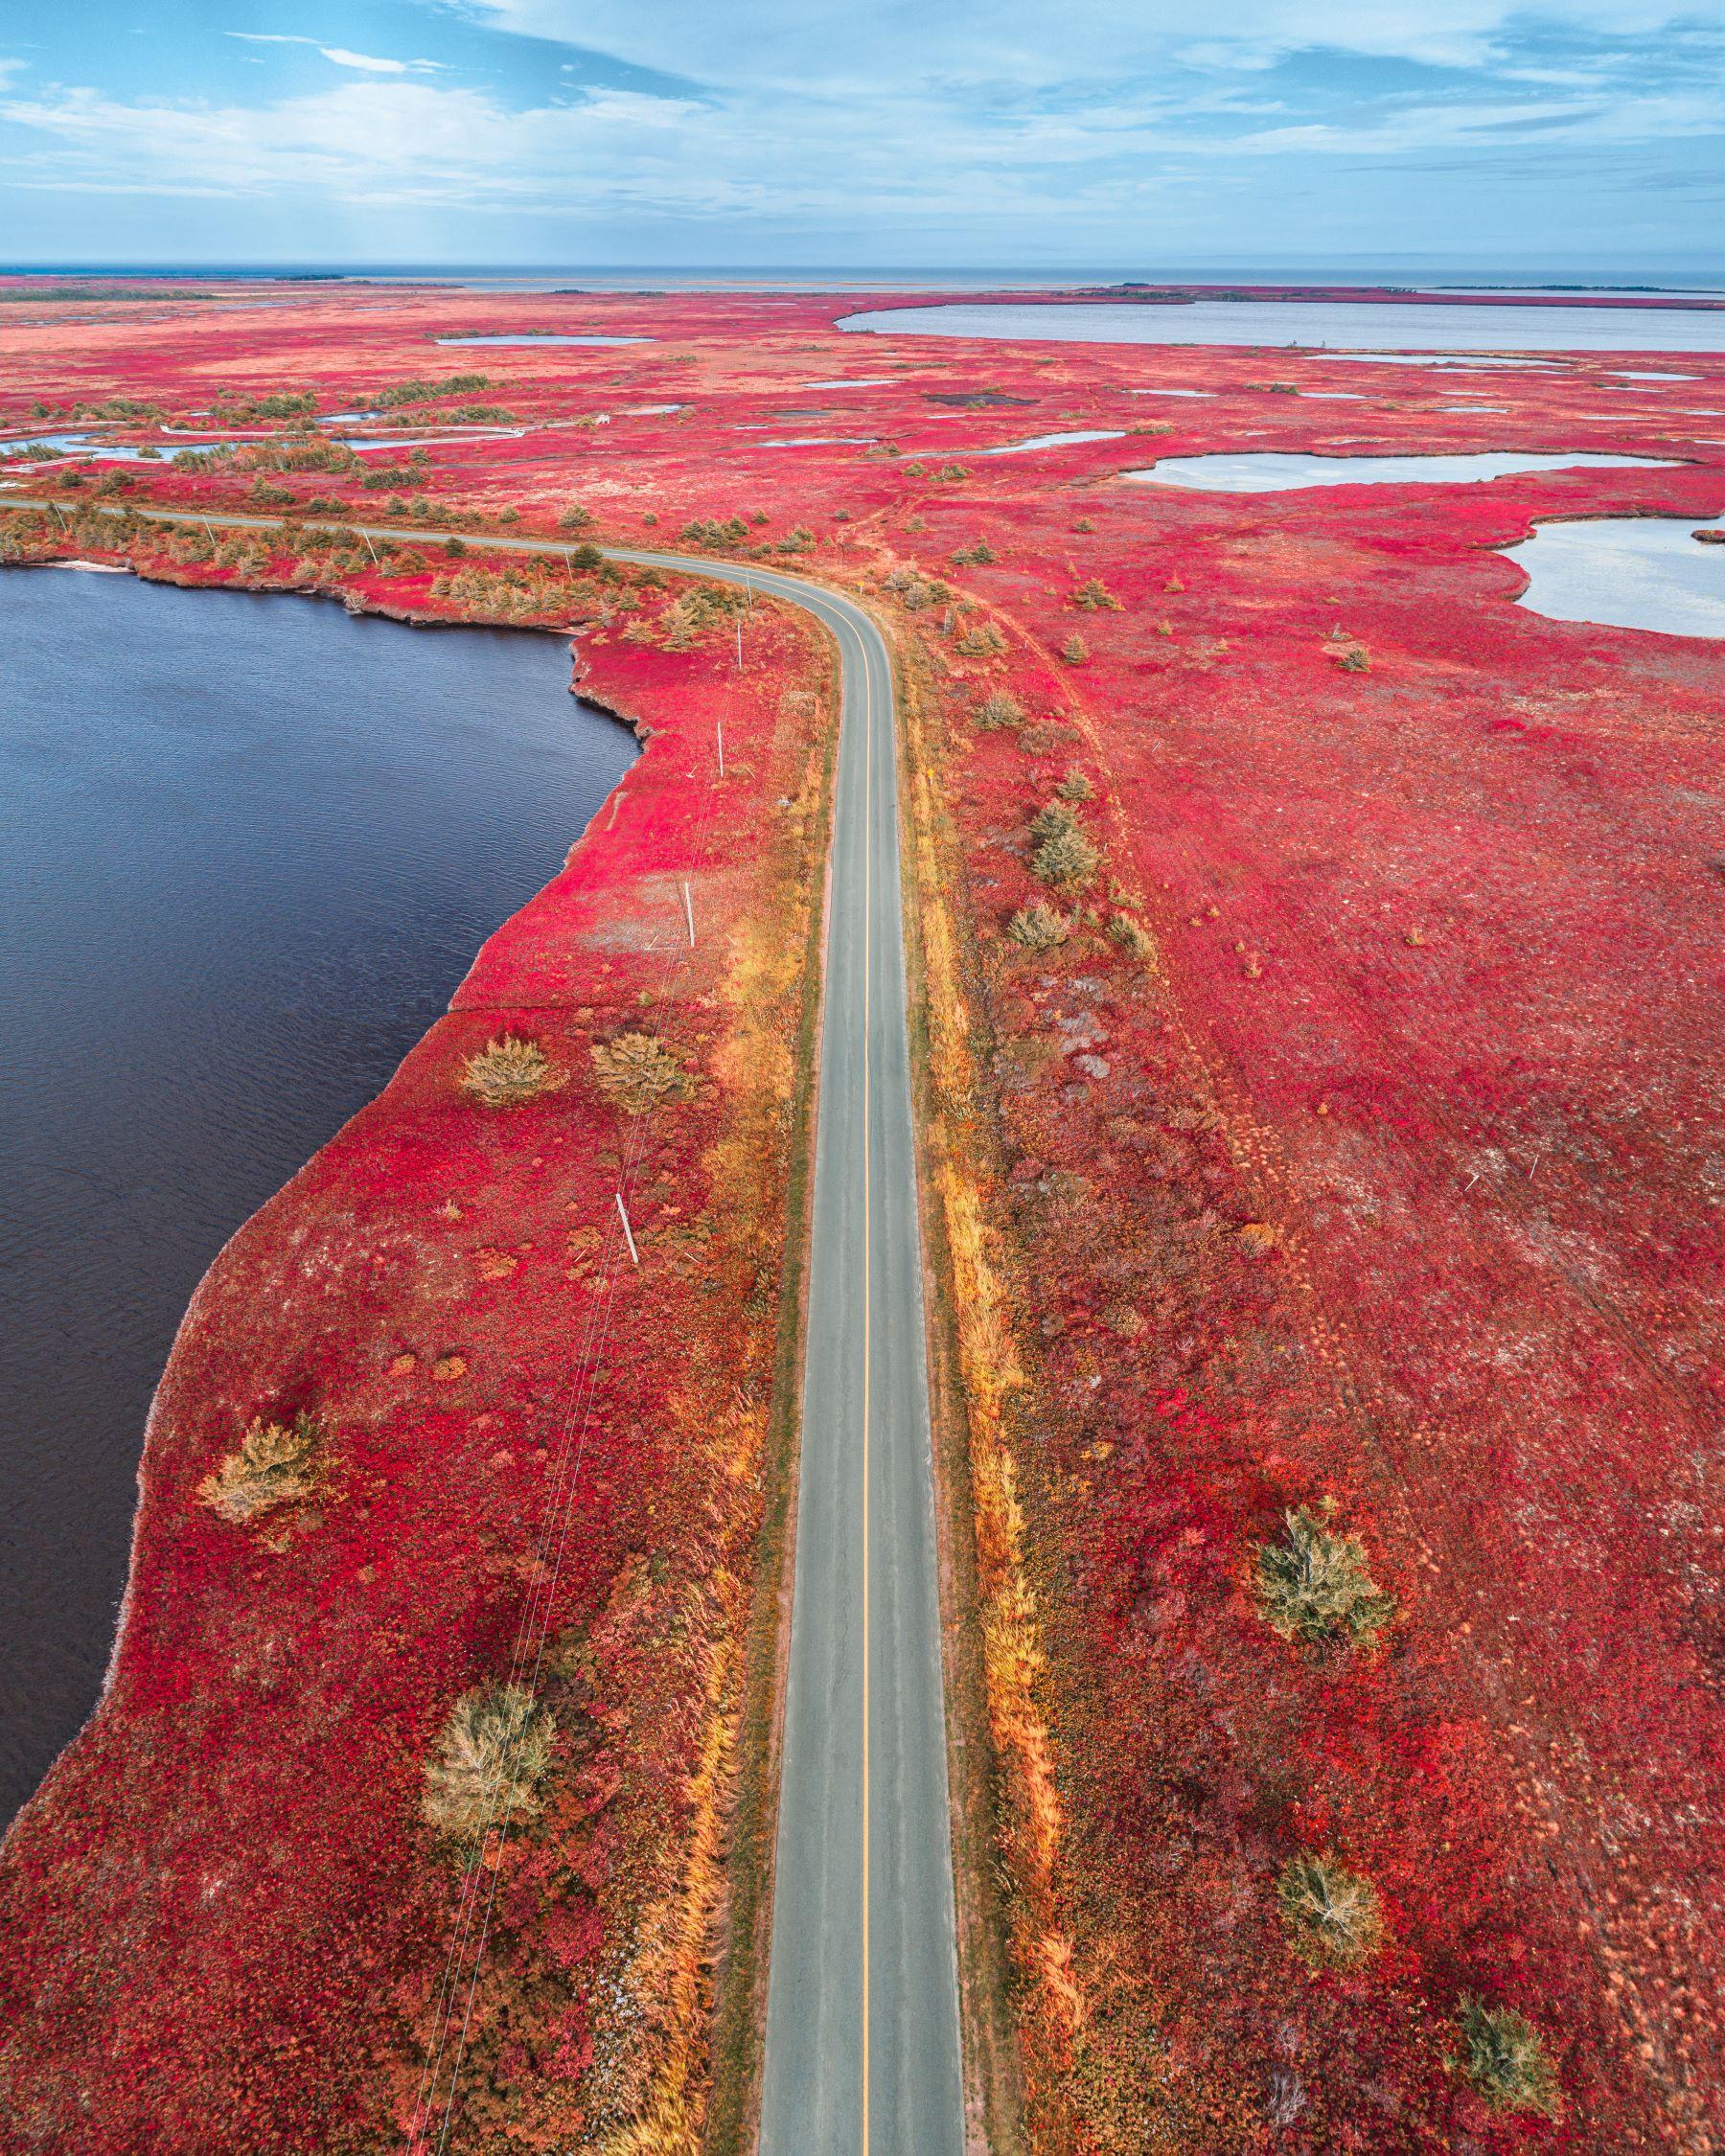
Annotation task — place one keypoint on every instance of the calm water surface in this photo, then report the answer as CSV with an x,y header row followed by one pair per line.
x,y
1406,327
252,846
1275,472
1628,572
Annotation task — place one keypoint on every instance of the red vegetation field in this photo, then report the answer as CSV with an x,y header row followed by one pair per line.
x,y
1358,1145
231,1923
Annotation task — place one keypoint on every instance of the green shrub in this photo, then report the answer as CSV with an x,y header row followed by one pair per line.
x,y
507,1071
423,392
1506,2061
915,591
998,710
119,408
1065,858
1132,936
1332,1916
574,518
1049,821
979,552
639,1073
243,411
1096,596
1075,786
1315,1585
491,1760
276,1464
1039,927
1074,650
713,531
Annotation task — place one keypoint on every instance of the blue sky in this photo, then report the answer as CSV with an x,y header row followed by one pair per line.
x,y
1100,134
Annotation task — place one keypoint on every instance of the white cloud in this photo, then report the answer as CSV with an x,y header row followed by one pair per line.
x,y
831,46
892,117
365,63
377,141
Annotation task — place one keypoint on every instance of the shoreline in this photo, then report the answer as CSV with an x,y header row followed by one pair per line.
x,y
508,982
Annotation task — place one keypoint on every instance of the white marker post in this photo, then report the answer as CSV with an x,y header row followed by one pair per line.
x,y
719,729
689,915
635,1255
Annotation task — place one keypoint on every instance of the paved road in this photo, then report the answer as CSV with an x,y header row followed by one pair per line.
x,y
862,2048
862,2054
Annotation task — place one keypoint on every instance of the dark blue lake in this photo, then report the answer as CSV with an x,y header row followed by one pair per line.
x,y
252,846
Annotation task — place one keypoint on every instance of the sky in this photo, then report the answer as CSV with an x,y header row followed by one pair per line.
x,y
1129,136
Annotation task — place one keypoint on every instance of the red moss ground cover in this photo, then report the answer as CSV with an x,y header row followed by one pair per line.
x,y
1373,1168
1360,1148
231,1923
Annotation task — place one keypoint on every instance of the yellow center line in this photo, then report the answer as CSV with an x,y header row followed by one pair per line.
x,y
867,834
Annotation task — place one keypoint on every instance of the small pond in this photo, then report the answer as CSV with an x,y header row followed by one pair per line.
x,y
1628,572
1049,441
1266,471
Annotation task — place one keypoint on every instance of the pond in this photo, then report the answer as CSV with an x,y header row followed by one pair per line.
x,y
256,845
1268,471
1628,572
1356,323
118,452
1047,442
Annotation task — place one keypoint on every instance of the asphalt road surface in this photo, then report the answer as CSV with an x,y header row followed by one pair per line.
x,y
862,2051
862,2047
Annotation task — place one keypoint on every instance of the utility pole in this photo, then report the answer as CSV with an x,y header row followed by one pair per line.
x,y
635,1255
689,914
719,729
